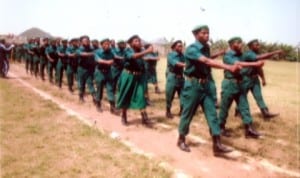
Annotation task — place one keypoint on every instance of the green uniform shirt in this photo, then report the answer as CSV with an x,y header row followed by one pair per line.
x,y
63,49
86,62
100,54
230,58
193,67
119,63
133,64
51,51
173,58
151,64
249,56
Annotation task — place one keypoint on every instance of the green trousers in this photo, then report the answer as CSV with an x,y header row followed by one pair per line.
x,y
36,61
253,85
194,94
104,79
116,73
85,76
234,91
213,88
174,84
43,63
60,68
131,91
70,72
51,68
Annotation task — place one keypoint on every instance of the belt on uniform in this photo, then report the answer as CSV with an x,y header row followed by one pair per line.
x,y
177,75
132,72
200,80
234,80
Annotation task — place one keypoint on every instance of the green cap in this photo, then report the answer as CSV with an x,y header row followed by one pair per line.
x,y
64,41
199,27
252,41
120,41
104,40
233,39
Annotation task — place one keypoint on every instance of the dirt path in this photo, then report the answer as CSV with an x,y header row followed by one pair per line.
x,y
160,143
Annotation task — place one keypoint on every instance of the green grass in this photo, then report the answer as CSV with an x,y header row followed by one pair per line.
x,y
39,140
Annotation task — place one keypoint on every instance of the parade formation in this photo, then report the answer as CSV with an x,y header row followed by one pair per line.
x,y
125,68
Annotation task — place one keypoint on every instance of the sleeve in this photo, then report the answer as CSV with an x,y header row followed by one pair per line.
x,y
98,55
192,53
228,59
172,59
47,51
129,53
249,56
78,51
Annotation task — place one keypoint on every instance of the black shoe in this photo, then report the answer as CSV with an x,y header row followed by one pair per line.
x,y
182,145
81,99
250,132
267,115
169,114
124,119
224,131
145,119
98,106
218,148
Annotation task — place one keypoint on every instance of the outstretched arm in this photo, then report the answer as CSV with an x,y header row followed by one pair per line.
x,y
268,55
219,65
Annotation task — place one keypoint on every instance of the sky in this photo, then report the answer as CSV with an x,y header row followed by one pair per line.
x,y
267,20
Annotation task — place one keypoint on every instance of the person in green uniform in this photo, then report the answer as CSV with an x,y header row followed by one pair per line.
x,y
43,58
86,68
252,74
62,62
175,80
150,66
118,64
95,44
36,56
31,45
234,89
131,88
52,58
18,51
103,74
113,45
196,90
72,62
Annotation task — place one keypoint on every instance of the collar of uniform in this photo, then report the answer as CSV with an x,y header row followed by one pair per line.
x,y
198,44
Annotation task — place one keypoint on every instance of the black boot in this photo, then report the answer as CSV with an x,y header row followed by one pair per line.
x,y
81,99
124,118
237,113
267,115
169,114
157,91
113,109
98,106
182,145
224,131
145,119
250,132
218,148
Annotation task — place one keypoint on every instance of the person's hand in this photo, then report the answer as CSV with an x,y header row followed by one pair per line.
x,y
260,63
234,68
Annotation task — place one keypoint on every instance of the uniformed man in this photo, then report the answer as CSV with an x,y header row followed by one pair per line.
x,y
86,68
196,90
113,45
72,62
151,63
27,55
31,45
103,74
118,64
62,61
252,74
175,78
95,44
35,48
131,88
234,89
52,57
43,58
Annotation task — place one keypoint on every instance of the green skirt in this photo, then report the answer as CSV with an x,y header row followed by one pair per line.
x,y
131,91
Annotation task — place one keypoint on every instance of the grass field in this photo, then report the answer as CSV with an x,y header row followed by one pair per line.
x,y
40,140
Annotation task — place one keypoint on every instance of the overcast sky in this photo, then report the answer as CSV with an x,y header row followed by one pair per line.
x,y
268,20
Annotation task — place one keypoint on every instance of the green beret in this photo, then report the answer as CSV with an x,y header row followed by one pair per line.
x,y
175,43
120,41
132,38
64,41
199,27
252,41
233,39
95,41
104,40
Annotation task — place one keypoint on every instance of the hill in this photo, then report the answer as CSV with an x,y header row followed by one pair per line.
x,y
35,32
